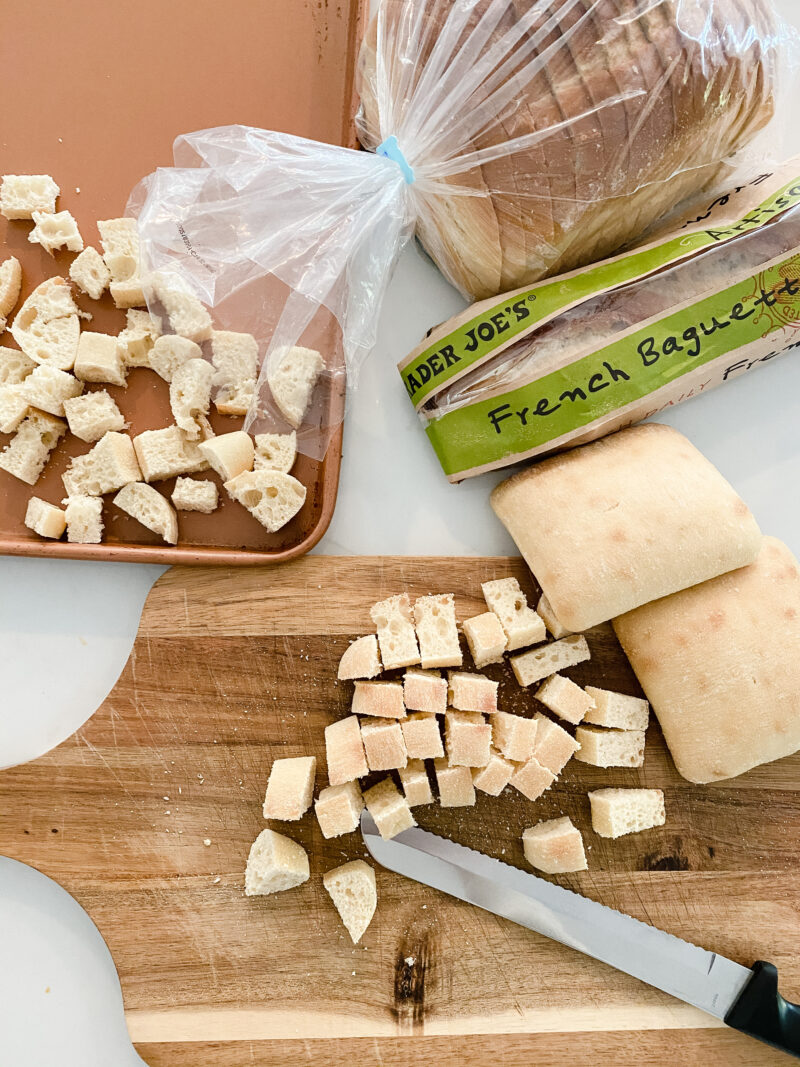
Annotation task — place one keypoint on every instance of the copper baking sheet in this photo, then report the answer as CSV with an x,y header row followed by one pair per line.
x,y
95,95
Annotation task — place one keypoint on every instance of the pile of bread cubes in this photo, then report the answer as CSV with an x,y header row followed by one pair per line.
x,y
395,726
43,387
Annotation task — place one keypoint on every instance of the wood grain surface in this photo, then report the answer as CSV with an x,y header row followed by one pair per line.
x,y
232,669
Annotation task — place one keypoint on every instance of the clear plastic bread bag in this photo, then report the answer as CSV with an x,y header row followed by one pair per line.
x,y
517,139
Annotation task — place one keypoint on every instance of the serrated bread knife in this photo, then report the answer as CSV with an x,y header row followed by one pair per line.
x,y
746,999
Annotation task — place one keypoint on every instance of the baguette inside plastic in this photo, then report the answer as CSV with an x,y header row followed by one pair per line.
x,y
516,140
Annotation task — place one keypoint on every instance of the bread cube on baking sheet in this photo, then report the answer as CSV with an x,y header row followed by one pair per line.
x,y
275,451
22,194
184,312
352,889
15,366
616,812
192,494
99,359
545,612
167,453
383,743
564,698
170,352
532,779
108,466
338,809
456,789
91,416
84,515
396,635
292,375
468,737
190,398
513,736
45,519
13,407
10,285
421,735
290,788
472,692
416,786
553,746
380,699
361,659
55,230
521,624
271,497
486,638
538,663
145,504
554,846
425,691
344,751
275,863
90,273
30,447
610,748
119,239
616,710
138,337
235,360
48,387
437,631
229,454
388,808
129,294
495,776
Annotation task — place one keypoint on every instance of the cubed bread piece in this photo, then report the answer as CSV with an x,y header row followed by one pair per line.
x,y
513,736
84,516
170,352
128,294
425,691
616,812
190,495
190,398
532,779
137,339
54,342
45,519
616,710
415,783
388,808
235,359
383,743
564,698
184,312
344,751
292,375
471,692
13,407
30,447
271,497
275,451
610,748
486,638
456,789
275,863
396,635
290,788
145,504
15,366
538,663
108,466
545,612
338,809
553,746
99,359
495,776
119,239
381,699
51,299
554,846
229,454
468,739
354,894
10,285
46,388
421,735
437,631
167,453
521,624
92,415
22,194
360,659
54,231
90,273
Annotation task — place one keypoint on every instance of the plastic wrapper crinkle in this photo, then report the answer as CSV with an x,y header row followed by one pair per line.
x,y
517,138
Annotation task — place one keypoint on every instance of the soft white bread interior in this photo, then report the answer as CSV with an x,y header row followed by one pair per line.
x,y
54,231
555,846
90,273
275,863
29,449
119,239
145,504
229,454
22,194
361,659
47,388
354,893
275,451
170,351
235,359
99,359
397,637
626,811
108,466
192,494
47,325
84,515
190,398
92,415
166,453
15,366
45,519
437,631
137,339
521,624
185,314
270,496
292,375
13,407
10,284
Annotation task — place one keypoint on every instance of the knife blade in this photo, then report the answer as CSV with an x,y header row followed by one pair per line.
x,y
743,997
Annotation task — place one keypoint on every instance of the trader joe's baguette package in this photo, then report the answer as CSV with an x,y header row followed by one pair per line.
x,y
518,140
565,361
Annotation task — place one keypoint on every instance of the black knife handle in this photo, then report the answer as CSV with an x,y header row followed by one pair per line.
x,y
762,1012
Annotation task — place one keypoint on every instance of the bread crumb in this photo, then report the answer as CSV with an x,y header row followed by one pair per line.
x,y
217,880
207,841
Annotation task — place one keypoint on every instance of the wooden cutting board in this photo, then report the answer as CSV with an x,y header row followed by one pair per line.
x,y
147,813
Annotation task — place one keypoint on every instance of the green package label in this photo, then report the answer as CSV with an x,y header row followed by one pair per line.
x,y
631,368
518,313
